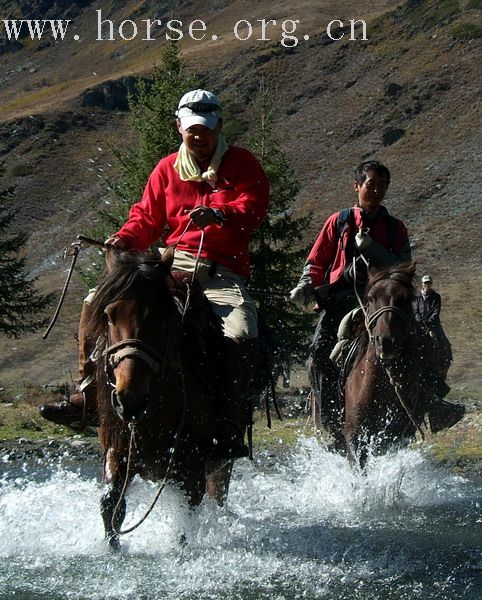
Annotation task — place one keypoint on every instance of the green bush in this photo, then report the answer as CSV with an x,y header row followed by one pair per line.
x,y
21,170
474,4
466,31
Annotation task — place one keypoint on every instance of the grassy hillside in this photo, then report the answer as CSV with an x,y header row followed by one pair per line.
x,y
409,96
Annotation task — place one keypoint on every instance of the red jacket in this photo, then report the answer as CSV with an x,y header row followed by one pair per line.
x,y
327,258
241,192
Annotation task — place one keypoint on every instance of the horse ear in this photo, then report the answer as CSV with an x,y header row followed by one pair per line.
x,y
167,257
110,257
412,268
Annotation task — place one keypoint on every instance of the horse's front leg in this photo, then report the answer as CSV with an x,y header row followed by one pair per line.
x,y
358,398
112,507
218,476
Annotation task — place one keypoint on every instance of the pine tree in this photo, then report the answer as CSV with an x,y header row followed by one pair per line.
x,y
276,249
152,118
20,301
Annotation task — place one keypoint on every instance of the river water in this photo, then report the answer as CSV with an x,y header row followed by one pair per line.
x,y
301,526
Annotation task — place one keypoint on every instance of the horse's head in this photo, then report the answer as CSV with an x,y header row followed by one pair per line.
x,y
389,314
135,310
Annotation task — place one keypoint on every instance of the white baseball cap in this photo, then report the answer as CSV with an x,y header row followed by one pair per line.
x,y
199,107
426,279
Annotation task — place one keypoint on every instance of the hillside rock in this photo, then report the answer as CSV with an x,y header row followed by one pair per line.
x,y
111,95
390,136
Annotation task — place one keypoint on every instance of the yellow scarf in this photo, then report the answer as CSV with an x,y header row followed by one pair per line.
x,y
188,168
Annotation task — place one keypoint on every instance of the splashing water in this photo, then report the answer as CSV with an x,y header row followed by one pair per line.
x,y
307,526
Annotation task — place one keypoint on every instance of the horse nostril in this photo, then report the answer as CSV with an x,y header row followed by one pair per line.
x,y
387,346
129,406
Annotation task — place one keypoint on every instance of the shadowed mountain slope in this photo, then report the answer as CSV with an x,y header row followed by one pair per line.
x,y
409,96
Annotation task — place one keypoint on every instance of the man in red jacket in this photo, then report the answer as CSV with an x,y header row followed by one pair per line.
x,y
337,262
206,185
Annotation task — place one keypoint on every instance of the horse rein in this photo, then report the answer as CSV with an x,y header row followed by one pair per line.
x,y
137,348
172,452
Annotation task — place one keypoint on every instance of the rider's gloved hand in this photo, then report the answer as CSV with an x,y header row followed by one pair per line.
x,y
362,239
203,216
301,295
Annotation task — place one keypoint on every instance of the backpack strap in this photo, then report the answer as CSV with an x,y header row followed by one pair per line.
x,y
343,220
392,226
345,217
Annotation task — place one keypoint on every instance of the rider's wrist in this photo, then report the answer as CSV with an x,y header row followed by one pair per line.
x,y
218,213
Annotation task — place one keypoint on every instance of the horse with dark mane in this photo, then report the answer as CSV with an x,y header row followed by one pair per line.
x,y
157,407
383,395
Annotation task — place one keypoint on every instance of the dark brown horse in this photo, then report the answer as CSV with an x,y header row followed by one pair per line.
x,y
383,396
437,347
156,403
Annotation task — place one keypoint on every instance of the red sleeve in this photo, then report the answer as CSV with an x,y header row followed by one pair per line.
x,y
147,218
323,252
248,210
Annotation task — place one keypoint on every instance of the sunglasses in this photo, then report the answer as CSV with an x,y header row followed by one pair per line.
x,y
201,107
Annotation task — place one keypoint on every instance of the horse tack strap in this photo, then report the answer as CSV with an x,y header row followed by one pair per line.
x,y
371,319
133,348
130,351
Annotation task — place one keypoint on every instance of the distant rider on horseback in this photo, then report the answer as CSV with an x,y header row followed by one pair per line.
x,y
349,240
427,307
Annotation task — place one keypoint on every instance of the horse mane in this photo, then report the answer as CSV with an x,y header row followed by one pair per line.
x,y
401,272
124,272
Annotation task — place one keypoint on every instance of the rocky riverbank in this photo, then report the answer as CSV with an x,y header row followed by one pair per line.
x,y
27,439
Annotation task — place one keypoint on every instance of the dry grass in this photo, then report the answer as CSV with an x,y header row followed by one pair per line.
x,y
459,448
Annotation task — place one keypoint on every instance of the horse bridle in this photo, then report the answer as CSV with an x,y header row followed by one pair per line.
x,y
370,320
133,348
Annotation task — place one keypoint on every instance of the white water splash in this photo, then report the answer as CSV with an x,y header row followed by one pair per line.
x,y
307,527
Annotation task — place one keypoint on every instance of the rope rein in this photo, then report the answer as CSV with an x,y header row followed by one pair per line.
x,y
132,429
405,406
73,251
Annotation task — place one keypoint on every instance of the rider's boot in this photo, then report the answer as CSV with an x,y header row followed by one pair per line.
x,y
443,414
81,407
241,356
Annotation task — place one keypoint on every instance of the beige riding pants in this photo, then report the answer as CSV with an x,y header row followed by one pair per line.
x,y
226,292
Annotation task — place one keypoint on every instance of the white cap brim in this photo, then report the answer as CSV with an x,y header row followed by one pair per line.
x,y
209,121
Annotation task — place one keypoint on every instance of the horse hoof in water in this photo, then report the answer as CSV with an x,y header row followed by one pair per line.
x,y
113,543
